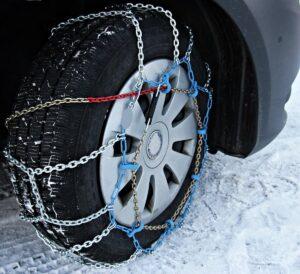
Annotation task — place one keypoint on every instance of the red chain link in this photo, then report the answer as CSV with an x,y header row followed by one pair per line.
x,y
121,96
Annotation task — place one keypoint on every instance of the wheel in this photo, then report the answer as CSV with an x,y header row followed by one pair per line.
x,y
99,58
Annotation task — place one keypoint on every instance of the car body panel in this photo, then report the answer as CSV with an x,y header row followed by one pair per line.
x,y
271,29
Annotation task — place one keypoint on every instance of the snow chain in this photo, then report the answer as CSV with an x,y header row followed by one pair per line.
x,y
163,86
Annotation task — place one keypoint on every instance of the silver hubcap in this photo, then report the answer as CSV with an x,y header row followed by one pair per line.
x,y
166,154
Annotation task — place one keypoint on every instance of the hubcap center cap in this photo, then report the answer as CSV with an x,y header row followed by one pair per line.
x,y
154,144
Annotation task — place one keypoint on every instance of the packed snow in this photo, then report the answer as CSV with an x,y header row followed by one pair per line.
x,y
246,219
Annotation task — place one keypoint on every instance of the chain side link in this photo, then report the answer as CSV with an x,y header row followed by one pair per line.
x,y
169,15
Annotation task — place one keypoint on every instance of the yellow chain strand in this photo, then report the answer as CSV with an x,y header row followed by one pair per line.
x,y
48,104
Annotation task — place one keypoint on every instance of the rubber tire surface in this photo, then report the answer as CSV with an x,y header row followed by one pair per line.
x,y
88,59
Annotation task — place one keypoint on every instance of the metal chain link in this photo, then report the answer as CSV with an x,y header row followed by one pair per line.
x,y
61,167
69,223
140,46
134,179
86,261
208,70
95,240
48,104
168,13
191,44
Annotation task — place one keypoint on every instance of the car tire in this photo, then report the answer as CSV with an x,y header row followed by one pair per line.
x,y
92,58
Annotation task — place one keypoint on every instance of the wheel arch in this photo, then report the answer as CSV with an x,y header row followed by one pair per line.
x,y
234,119
255,58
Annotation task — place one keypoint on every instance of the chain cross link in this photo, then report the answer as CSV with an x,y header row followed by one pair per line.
x,y
60,167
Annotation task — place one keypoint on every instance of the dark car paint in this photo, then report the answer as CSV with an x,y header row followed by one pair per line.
x,y
271,29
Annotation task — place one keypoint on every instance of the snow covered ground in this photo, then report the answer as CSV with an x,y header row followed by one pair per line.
x,y
246,220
